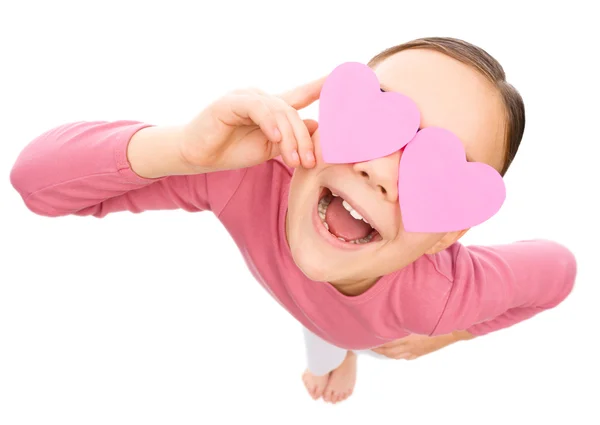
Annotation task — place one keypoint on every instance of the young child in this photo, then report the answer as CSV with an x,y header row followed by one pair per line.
x,y
253,162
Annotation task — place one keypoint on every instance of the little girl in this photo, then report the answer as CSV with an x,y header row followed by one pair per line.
x,y
326,241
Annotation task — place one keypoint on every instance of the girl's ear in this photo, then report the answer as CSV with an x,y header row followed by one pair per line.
x,y
446,241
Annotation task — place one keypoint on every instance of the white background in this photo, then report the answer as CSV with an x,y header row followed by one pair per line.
x,y
130,319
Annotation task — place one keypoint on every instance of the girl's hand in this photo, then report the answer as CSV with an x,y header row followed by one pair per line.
x,y
415,346
248,127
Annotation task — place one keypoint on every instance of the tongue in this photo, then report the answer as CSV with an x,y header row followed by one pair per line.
x,y
342,224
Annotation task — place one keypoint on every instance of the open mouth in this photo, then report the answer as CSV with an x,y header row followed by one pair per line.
x,y
342,220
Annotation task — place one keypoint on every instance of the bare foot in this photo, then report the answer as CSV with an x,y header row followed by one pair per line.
x,y
342,380
315,385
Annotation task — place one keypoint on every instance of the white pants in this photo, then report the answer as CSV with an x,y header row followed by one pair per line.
x,y
323,357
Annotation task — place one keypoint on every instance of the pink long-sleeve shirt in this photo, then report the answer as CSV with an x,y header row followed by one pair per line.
x,y
82,169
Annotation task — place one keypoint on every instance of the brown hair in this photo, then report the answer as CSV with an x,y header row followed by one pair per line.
x,y
488,66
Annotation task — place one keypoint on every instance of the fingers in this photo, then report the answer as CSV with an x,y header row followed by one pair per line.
x,y
278,120
295,143
302,96
289,144
251,109
395,343
296,147
397,354
303,139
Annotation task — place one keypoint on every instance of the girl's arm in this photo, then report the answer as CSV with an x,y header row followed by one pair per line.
x,y
96,168
500,286
481,289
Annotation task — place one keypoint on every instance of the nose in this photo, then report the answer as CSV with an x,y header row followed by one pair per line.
x,y
382,175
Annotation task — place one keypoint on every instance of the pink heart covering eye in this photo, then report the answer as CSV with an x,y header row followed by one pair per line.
x,y
439,191
358,122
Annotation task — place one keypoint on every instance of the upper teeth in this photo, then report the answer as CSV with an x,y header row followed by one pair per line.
x,y
322,209
353,212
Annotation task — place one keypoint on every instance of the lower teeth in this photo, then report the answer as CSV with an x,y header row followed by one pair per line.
x,y
322,209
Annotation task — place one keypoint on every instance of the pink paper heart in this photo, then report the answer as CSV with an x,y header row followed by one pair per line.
x,y
357,121
439,190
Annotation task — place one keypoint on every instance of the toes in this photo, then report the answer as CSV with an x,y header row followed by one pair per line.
x,y
315,392
339,397
318,392
314,385
306,383
312,391
309,386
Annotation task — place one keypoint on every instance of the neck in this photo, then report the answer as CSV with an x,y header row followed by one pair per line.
x,y
355,287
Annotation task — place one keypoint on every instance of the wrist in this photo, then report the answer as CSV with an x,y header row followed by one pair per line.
x,y
462,335
154,152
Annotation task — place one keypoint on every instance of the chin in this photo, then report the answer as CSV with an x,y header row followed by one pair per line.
x,y
311,260
314,270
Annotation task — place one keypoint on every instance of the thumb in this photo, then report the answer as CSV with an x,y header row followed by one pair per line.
x,y
311,126
302,96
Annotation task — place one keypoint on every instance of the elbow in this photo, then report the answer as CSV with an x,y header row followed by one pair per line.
x,y
570,271
566,267
16,178
23,174
19,180
29,175
23,182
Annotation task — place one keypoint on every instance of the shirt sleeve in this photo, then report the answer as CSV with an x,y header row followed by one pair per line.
x,y
82,169
499,286
485,289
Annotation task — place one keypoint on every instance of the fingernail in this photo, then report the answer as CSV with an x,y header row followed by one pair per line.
x,y
295,156
309,156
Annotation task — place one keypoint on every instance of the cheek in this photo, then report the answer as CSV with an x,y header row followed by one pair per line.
x,y
304,181
294,198
299,186
317,146
301,197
